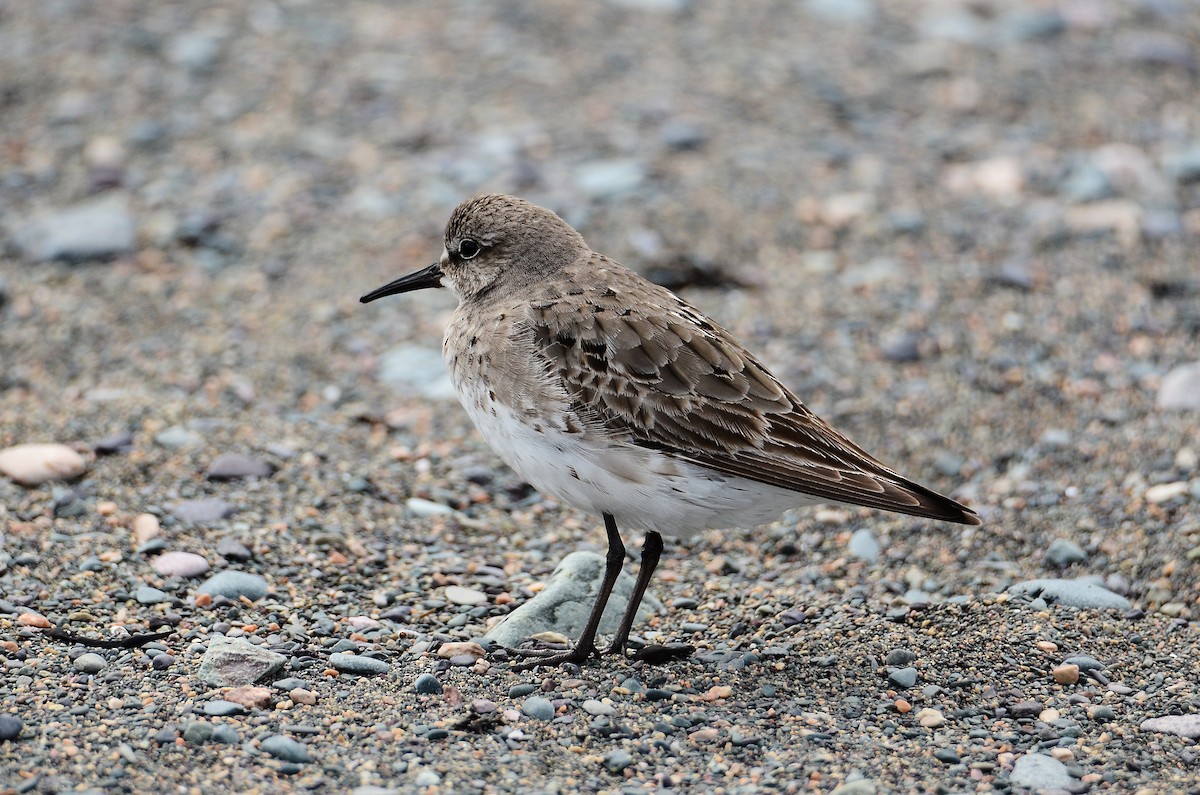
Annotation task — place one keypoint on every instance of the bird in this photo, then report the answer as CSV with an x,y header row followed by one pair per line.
x,y
616,396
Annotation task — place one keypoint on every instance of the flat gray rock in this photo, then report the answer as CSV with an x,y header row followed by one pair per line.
x,y
233,662
1181,725
96,229
235,584
1040,772
1180,388
202,511
1073,593
234,466
563,605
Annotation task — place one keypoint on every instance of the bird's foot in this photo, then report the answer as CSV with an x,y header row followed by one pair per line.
x,y
536,658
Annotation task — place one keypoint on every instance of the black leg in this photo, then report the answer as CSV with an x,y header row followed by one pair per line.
x,y
652,549
586,645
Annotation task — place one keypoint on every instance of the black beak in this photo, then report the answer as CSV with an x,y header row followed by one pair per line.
x,y
426,277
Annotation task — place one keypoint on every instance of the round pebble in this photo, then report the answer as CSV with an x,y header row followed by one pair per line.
x,y
358,664
90,663
10,727
285,748
179,564
234,585
456,594
34,464
428,684
538,708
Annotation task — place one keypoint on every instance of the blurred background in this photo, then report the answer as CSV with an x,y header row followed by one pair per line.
x,y
965,231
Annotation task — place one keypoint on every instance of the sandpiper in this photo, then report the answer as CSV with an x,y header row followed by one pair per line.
x,y
613,394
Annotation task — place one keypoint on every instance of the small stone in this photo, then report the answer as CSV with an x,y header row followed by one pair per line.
x,y
1073,593
1180,388
903,678
202,511
456,594
465,648
285,748
358,664
89,663
34,464
145,527
250,697
220,708
1063,552
235,466
947,755
902,706
1049,715
1039,772
616,761
425,508
146,595
179,564
197,733
1182,725
234,585
10,728
594,707
302,696
1165,492
1066,674
609,179
162,662
31,619
538,708
863,545
226,735
235,662
232,549
178,436
97,229
416,370
428,684
898,658
930,718
1102,713
483,706
427,778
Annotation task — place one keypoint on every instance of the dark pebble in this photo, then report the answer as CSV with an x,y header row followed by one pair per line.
x,y
947,755
520,691
898,658
10,728
428,684
285,748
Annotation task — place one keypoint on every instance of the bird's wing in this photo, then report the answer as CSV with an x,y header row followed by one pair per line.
x,y
635,357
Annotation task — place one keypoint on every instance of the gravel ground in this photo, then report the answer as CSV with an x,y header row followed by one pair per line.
x,y
965,232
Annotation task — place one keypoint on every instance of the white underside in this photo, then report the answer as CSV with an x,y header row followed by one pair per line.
x,y
642,489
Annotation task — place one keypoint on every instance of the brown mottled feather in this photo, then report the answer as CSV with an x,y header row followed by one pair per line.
x,y
637,360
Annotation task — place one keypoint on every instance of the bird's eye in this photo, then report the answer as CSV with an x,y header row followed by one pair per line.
x,y
468,248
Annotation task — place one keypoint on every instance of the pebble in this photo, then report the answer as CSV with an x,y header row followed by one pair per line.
x,y
220,708
34,464
232,549
302,696
1165,492
145,527
863,545
179,564
197,733
456,594
10,728
250,697
414,369
358,664
1180,388
594,707
89,663
1182,725
202,511
100,228
609,179
235,662
235,466
285,748
903,678
947,755
900,657
425,508
428,684
616,761
225,734
178,436
1063,552
538,708
1066,674
465,648
162,662
427,778
1073,593
147,595
930,718
1039,772
235,584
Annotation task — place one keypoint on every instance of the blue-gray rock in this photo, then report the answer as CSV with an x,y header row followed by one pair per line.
x,y
1063,552
197,733
899,657
145,595
10,728
1182,725
863,545
358,664
235,584
903,678
235,466
285,748
232,549
202,511
1073,593
415,370
97,229
610,179
563,605
90,663
178,436
220,708
428,684
226,735
1180,388
234,662
1086,183
1039,772
538,708
617,761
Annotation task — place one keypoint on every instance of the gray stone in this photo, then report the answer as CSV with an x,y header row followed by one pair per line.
x,y
610,179
10,728
415,370
202,511
178,436
538,708
1180,388
863,545
235,584
428,684
197,733
617,761
563,605
89,663
226,735
427,778
234,662
1063,552
97,229
232,549
146,595
234,466
285,748
220,708
594,707
180,564
1039,772
358,664
1183,725
1184,166
1073,593
903,678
